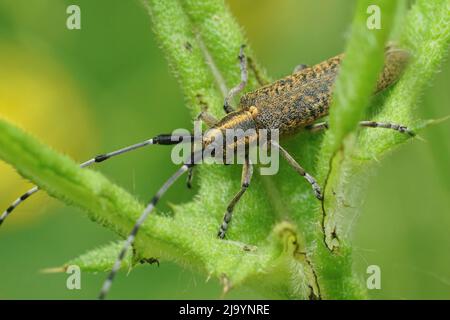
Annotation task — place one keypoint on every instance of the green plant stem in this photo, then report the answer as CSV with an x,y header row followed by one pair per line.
x,y
184,54
277,246
362,64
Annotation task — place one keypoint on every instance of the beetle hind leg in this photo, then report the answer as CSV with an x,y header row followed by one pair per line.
x,y
367,124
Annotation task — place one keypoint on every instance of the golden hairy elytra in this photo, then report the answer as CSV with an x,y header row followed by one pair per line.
x,y
283,107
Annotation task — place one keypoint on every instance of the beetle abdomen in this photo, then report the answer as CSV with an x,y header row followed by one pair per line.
x,y
303,97
296,100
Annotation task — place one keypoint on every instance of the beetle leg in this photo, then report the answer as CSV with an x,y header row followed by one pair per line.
x,y
294,164
237,89
367,124
207,118
247,172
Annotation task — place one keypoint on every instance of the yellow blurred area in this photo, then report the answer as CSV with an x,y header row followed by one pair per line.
x,y
57,83
39,96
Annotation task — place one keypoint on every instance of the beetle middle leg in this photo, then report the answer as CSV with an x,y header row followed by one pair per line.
x,y
247,172
237,89
294,164
319,126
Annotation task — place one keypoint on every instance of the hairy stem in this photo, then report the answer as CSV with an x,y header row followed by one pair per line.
x,y
283,242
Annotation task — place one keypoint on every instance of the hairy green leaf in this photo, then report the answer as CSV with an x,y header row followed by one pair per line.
x,y
277,242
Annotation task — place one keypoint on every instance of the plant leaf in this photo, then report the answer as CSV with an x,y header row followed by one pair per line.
x,y
277,244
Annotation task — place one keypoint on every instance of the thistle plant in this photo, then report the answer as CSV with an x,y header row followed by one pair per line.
x,y
284,243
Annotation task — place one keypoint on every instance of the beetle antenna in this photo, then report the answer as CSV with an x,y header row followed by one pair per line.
x,y
162,139
108,282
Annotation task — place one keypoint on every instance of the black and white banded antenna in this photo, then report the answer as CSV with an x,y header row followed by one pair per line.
x,y
163,139
193,158
132,235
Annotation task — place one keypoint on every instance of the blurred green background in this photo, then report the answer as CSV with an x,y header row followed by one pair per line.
x,y
107,85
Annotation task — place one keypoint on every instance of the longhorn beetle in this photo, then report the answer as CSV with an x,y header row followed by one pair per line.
x,y
287,105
